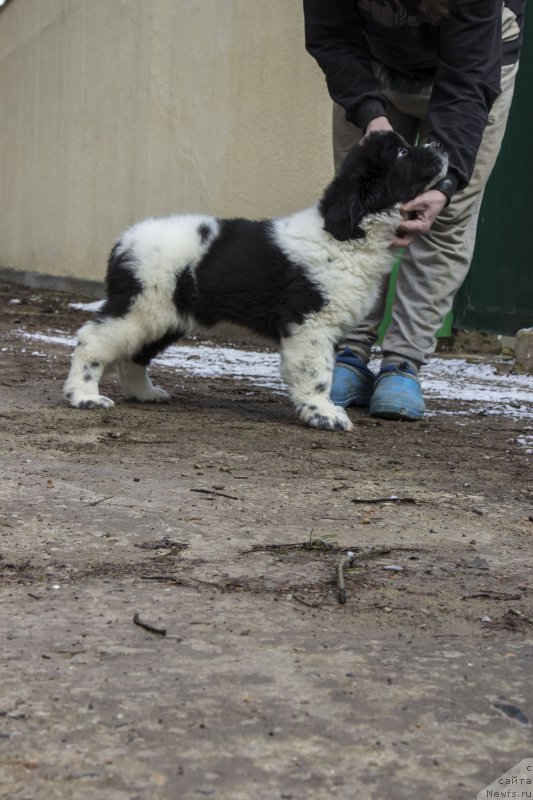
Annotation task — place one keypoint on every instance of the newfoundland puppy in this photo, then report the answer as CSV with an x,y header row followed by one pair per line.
x,y
302,281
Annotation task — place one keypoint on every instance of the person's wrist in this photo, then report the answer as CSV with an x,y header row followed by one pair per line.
x,y
447,186
443,195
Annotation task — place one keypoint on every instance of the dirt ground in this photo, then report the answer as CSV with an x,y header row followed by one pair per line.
x,y
221,520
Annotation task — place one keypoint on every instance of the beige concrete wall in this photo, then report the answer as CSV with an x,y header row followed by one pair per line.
x,y
113,110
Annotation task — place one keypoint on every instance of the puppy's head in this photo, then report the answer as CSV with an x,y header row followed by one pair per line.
x,y
377,175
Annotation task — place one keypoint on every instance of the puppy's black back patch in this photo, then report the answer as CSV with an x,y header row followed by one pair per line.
x,y
245,279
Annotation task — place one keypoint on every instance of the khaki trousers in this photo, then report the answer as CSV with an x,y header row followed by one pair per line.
x,y
434,266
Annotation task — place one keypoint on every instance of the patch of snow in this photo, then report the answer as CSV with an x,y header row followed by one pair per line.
x,y
68,341
526,442
477,385
94,306
261,369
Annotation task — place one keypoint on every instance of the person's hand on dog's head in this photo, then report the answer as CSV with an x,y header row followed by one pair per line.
x,y
375,125
422,211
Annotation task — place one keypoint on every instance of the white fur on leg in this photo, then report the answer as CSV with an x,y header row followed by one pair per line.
x,y
138,386
307,360
100,345
81,386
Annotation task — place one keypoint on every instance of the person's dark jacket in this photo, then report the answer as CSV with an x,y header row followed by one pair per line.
x,y
462,56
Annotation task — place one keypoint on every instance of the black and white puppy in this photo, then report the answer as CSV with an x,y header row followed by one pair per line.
x,y
302,281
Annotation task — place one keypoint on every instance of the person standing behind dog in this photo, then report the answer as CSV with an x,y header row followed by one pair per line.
x,y
442,71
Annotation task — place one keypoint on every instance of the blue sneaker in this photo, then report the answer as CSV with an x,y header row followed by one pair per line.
x,y
398,394
353,383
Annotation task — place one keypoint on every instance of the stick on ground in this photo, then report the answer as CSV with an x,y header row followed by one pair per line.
x,y
148,627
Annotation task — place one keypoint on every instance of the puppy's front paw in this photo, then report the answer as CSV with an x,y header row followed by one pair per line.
x,y
326,417
331,422
89,403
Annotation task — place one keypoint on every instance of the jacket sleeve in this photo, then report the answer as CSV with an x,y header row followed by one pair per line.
x,y
334,36
466,83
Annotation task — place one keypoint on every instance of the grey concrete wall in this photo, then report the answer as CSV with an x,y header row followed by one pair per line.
x,y
113,110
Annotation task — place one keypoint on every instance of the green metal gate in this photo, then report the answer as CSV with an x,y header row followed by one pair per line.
x,y
497,295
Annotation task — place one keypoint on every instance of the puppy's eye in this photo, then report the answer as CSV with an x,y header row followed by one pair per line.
x,y
402,152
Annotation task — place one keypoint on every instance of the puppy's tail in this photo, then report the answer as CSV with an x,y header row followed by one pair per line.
x,y
122,284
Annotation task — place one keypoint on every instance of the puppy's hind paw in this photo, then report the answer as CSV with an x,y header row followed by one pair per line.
x,y
153,395
160,395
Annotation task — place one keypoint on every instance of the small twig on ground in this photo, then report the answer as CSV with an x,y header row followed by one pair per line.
x,y
149,441
148,627
102,500
325,542
376,500
267,548
341,591
344,563
349,559
319,543
493,595
307,603
163,544
217,494
376,552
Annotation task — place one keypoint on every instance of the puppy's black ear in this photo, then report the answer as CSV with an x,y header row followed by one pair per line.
x,y
341,211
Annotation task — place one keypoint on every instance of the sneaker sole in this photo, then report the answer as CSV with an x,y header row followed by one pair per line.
x,y
391,412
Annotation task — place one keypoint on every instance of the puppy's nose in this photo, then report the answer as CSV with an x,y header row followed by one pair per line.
x,y
437,145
